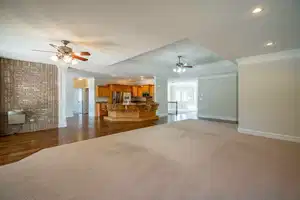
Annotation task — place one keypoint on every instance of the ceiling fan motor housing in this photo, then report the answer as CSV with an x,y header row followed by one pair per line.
x,y
65,50
65,42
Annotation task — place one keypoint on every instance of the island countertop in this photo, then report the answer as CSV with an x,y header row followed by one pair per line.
x,y
132,111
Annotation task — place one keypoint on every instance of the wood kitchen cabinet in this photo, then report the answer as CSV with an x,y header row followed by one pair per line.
x,y
120,88
102,91
151,90
145,88
134,91
101,109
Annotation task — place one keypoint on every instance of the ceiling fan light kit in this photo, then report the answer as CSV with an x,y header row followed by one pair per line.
x,y
54,58
66,53
181,67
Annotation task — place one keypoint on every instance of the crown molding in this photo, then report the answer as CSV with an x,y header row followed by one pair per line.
x,y
295,53
218,76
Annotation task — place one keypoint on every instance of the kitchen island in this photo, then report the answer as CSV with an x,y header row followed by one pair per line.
x,y
131,112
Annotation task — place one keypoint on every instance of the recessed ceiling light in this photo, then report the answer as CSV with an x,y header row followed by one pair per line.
x,y
257,10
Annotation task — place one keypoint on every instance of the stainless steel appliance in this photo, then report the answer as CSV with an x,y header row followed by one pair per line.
x,y
126,97
117,97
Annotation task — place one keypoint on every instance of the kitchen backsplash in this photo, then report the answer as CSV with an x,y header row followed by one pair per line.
x,y
101,99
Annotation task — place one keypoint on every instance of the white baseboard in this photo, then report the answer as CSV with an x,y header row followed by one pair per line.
x,y
269,135
62,125
181,110
218,117
162,114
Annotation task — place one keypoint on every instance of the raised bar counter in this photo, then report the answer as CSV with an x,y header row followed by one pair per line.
x,y
132,112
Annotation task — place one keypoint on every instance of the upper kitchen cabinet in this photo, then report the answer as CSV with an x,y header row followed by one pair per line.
x,y
135,91
102,91
140,90
120,88
151,90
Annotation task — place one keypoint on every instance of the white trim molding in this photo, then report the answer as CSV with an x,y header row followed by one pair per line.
x,y
270,135
163,114
218,75
269,57
218,117
62,125
62,101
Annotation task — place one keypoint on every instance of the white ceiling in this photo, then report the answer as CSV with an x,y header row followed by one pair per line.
x,y
160,62
116,30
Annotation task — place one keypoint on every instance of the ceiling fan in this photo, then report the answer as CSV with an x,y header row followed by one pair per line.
x,y
181,67
66,53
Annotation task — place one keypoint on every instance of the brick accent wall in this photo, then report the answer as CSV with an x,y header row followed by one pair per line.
x,y
31,87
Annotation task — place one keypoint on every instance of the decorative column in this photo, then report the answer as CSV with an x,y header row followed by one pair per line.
x,y
62,103
92,96
161,95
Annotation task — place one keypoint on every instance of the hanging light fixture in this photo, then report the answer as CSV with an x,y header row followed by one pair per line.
x,y
54,58
179,70
67,59
180,66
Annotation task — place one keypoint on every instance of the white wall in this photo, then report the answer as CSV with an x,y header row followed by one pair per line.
x,y
92,96
218,97
70,95
269,96
161,95
298,98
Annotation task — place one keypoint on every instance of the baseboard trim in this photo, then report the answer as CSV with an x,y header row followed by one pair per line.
x,y
163,114
218,118
62,125
181,110
270,135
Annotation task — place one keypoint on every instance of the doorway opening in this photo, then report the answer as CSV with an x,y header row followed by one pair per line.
x,y
182,96
82,95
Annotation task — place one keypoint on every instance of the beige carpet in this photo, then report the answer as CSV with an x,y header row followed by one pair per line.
x,y
187,160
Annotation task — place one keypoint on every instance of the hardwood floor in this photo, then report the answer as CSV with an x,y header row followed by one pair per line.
x,y
19,146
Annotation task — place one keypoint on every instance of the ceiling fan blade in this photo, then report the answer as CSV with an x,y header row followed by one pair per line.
x,y
43,51
85,53
79,58
188,66
54,46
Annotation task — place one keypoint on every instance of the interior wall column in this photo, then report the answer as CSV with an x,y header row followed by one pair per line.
x,y
92,96
161,95
62,91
